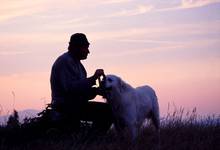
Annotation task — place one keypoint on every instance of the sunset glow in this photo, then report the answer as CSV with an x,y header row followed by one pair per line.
x,y
173,46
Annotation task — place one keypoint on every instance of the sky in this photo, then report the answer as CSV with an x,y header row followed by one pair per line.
x,y
172,45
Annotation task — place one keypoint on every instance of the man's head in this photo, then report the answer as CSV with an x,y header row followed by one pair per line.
x,y
79,45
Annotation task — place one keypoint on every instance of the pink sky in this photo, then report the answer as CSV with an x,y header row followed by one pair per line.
x,y
173,47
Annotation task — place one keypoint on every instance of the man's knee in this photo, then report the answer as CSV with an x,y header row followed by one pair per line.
x,y
100,109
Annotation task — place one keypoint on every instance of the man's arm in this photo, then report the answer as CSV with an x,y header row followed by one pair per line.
x,y
73,86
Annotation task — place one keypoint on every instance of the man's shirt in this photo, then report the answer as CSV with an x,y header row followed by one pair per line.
x,y
69,82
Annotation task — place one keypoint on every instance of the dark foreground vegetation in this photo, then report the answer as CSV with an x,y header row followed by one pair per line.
x,y
179,131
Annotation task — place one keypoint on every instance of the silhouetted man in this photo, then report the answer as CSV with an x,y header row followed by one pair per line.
x,y
72,89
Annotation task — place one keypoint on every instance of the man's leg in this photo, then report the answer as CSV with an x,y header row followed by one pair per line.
x,y
99,113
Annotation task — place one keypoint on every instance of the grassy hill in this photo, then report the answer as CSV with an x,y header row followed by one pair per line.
x,y
27,113
178,132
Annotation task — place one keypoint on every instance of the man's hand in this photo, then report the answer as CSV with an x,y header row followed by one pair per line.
x,y
98,73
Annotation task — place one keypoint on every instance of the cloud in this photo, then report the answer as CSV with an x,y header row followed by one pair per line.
x,y
75,23
138,10
156,39
158,32
9,53
138,52
158,6
186,4
114,1
197,3
18,8
145,41
54,8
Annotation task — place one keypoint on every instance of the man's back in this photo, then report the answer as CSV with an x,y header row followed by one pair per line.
x,y
64,72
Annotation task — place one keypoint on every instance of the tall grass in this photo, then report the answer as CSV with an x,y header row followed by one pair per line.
x,y
180,130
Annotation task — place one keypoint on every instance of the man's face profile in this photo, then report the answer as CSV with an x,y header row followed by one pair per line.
x,y
83,52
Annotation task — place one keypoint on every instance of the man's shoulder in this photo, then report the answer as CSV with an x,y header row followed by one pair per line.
x,y
64,58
